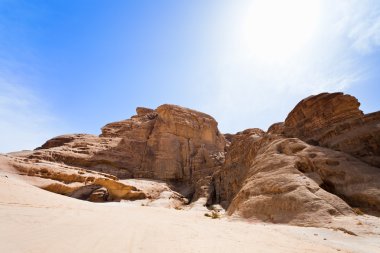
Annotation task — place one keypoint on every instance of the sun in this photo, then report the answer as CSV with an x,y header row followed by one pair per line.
x,y
275,30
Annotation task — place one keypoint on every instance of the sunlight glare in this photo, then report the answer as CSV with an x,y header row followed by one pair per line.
x,y
275,30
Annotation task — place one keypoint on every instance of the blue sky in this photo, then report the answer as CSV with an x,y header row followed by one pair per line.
x,y
73,66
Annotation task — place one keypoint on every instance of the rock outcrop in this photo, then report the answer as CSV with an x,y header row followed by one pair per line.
x,y
170,143
321,162
333,120
70,181
285,180
284,175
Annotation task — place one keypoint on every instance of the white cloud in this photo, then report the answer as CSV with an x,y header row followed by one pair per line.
x,y
255,87
360,22
25,122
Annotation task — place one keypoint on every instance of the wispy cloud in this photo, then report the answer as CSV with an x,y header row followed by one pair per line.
x,y
25,121
253,91
360,22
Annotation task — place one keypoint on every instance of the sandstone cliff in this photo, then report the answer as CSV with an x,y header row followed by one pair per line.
x,y
285,180
284,175
335,121
321,162
170,143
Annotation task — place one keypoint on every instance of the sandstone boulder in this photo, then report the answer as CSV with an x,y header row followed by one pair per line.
x,y
334,120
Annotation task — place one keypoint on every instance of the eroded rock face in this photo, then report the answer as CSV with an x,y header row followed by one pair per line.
x,y
70,181
321,111
169,143
182,144
285,180
334,120
275,177
317,164
87,151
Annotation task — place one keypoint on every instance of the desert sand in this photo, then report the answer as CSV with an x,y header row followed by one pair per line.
x,y
34,220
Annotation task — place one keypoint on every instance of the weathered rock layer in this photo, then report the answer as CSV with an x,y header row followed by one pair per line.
x,y
278,179
284,175
320,162
70,181
334,120
170,143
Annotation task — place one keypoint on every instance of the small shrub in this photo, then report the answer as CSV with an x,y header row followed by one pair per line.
x,y
213,215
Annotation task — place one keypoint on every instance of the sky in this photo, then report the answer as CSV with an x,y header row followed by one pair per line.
x,y
72,66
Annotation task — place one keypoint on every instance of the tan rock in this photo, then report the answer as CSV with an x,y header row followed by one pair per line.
x,y
141,111
284,180
276,128
169,143
302,171
159,193
274,177
70,181
334,120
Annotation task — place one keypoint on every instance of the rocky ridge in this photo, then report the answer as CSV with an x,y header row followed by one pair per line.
x,y
320,163
178,145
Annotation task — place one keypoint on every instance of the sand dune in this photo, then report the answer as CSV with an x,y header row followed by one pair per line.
x,y
34,220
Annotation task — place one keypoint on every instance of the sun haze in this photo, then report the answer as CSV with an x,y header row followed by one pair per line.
x,y
73,66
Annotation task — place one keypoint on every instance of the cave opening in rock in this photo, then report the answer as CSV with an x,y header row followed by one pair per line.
x,y
328,186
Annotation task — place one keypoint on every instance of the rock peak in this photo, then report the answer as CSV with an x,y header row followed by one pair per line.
x,y
141,111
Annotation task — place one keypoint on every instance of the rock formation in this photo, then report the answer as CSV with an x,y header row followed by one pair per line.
x,y
276,177
335,121
321,162
285,180
70,181
170,143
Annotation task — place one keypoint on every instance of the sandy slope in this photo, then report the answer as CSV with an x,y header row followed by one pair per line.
x,y
34,220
